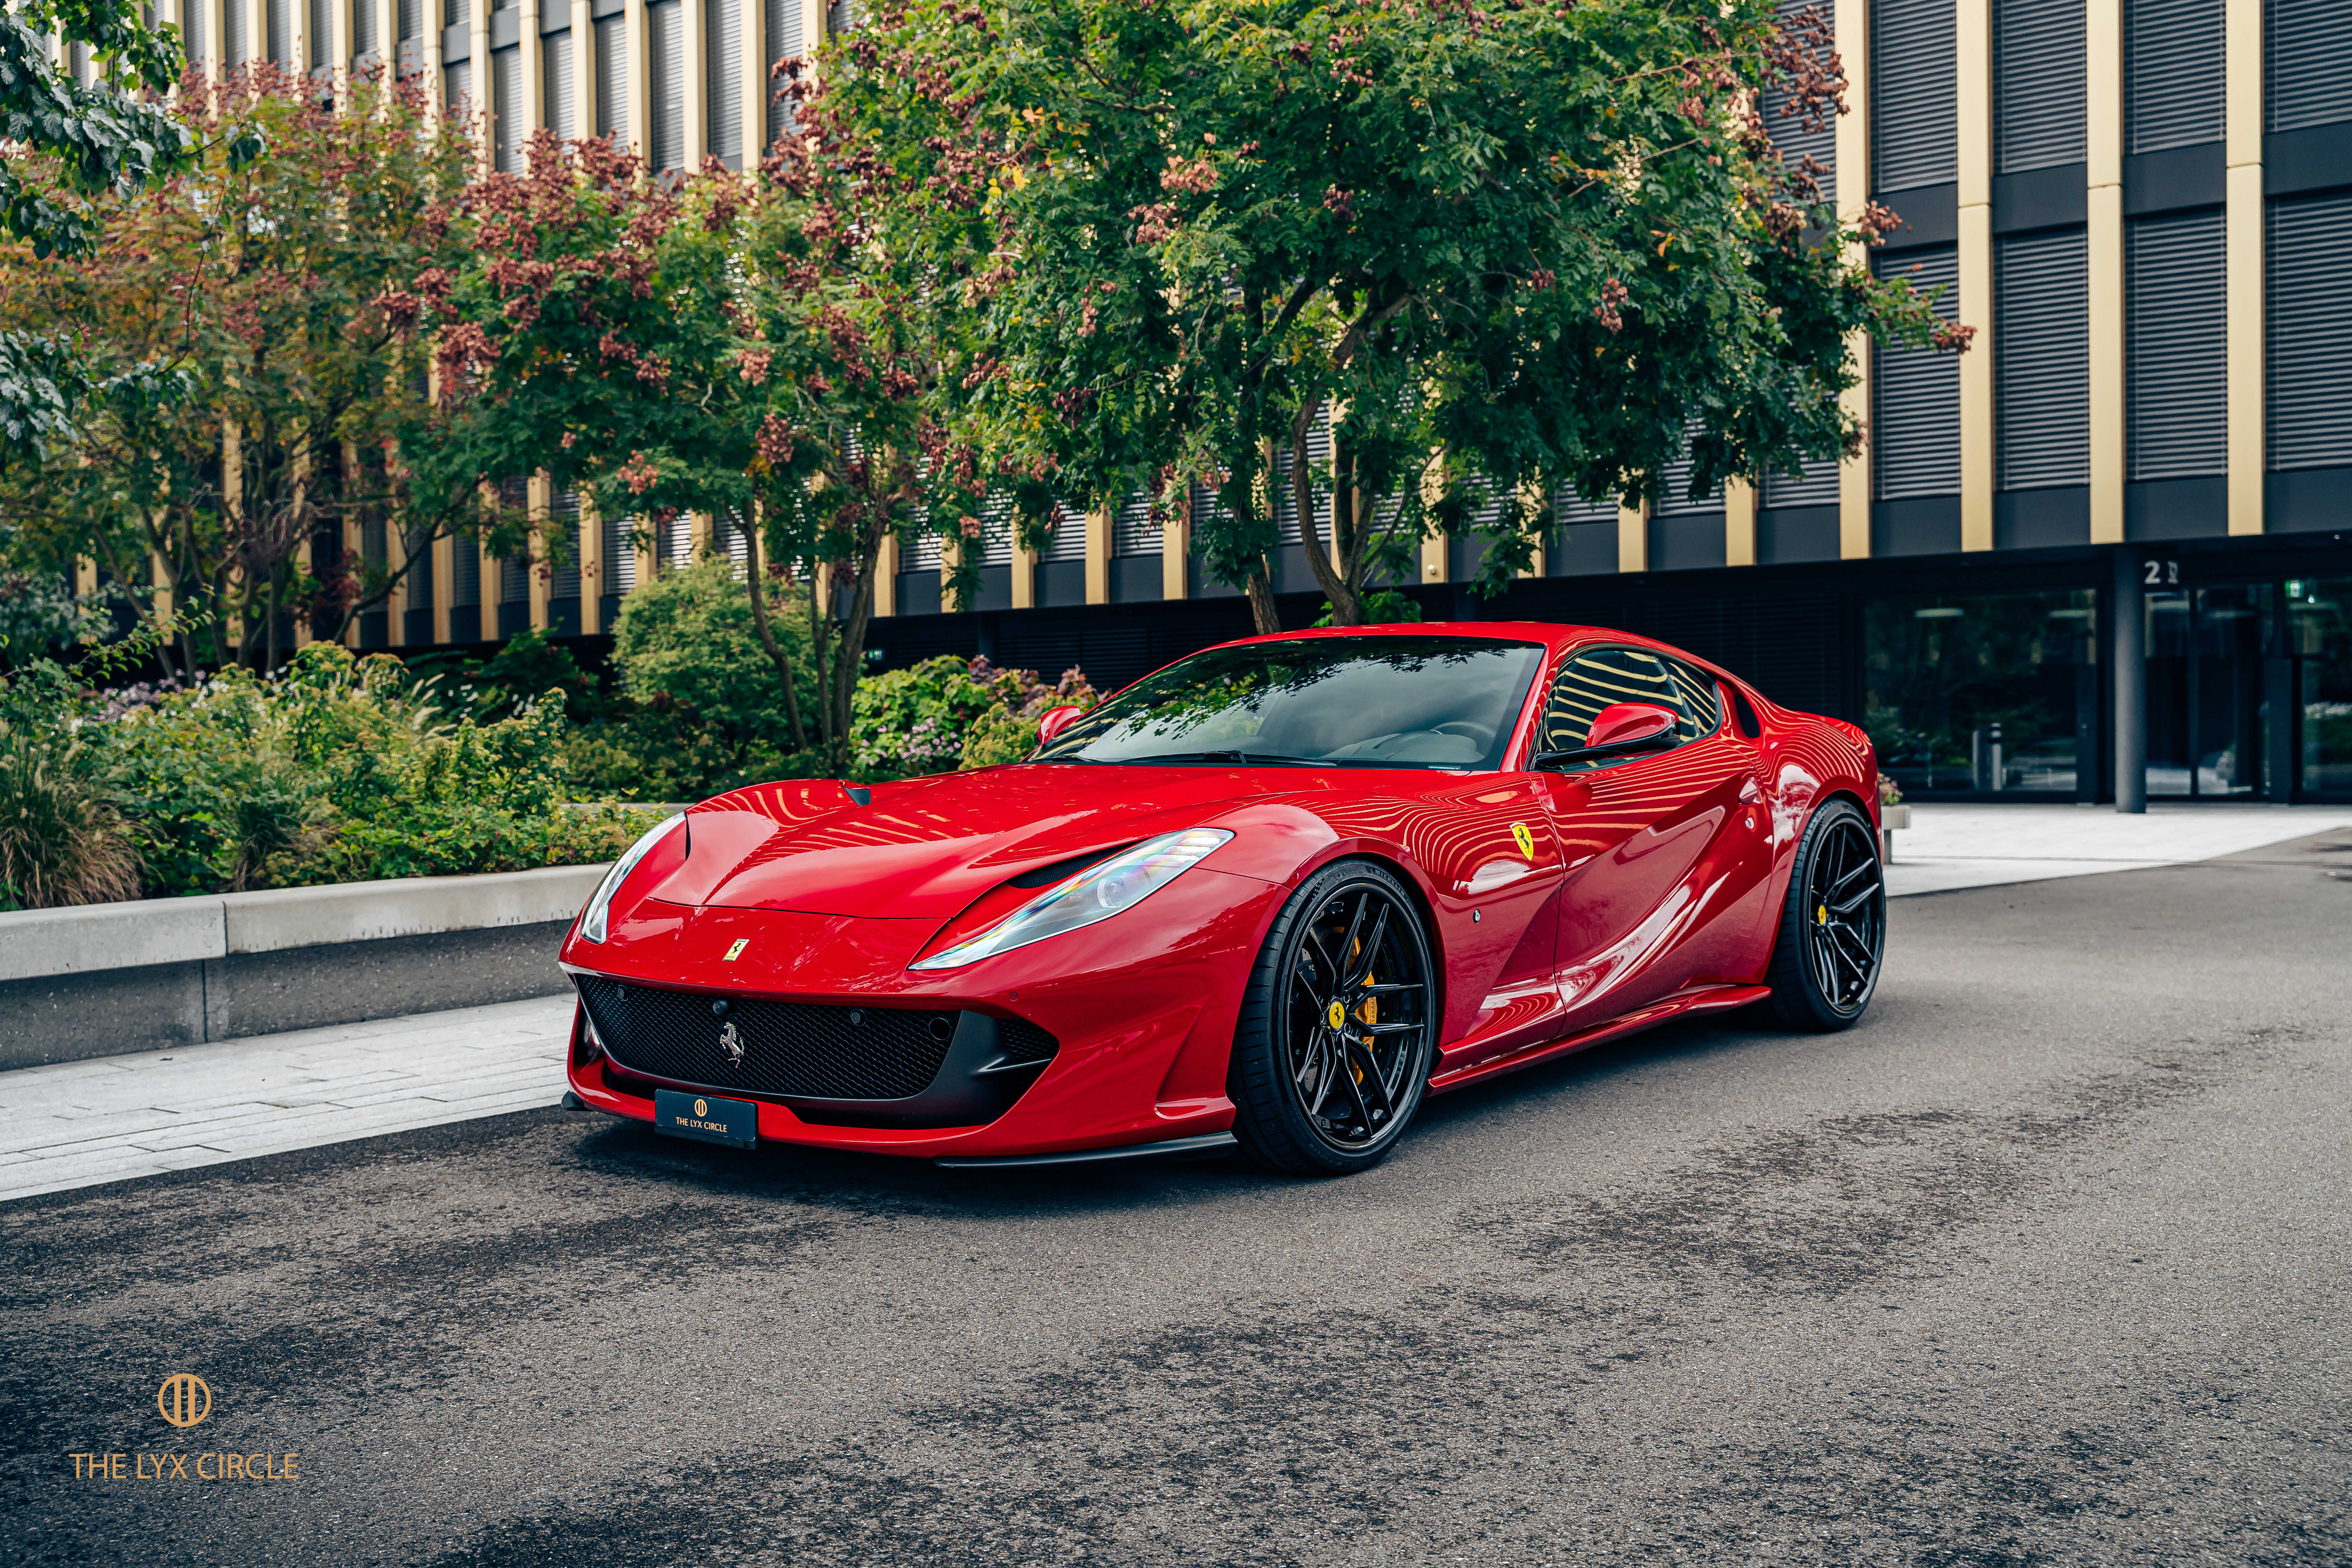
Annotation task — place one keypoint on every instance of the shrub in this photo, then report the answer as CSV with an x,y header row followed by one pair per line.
x,y
950,712
60,842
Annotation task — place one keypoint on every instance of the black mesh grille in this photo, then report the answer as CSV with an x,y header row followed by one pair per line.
x,y
790,1048
1019,1040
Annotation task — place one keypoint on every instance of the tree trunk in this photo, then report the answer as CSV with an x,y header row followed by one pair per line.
x,y
753,575
1267,619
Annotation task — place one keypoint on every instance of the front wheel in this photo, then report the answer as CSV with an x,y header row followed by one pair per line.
x,y
1338,1028
1832,936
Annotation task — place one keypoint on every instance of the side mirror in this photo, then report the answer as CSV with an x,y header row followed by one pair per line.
x,y
1054,720
1622,728
1622,721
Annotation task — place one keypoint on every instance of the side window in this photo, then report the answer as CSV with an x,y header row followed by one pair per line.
x,y
1599,678
1702,700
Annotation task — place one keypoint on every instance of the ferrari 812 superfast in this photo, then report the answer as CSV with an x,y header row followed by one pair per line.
x,y
1272,895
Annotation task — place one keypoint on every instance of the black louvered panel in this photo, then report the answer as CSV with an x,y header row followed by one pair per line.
x,y
1569,508
363,38
1916,94
1136,532
2173,67
2308,50
319,35
613,77
666,43
280,19
411,14
722,81
1068,540
2310,321
512,126
920,554
557,101
1286,502
996,525
783,43
466,580
458,89
1675,498
1915,435
2038,84
2175,348
2042,347
790,1048
1789,132
1818,487
235,49
564,523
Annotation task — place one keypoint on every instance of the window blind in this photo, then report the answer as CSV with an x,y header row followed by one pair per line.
x,y
279,20
2172,69
722,93
1674,490
420,580
508,130
1135,531
191,31
321,44
457,81
1915,437
1916,92
785,42
665,40
564,520
2175,348
620,563
466,580
1818,487
612,78
411,19
2310,328
920,554
2042,359
1068,540
2307,49
1788,130
557,106
1569,508
234,49
363,37
1286,498
2038,84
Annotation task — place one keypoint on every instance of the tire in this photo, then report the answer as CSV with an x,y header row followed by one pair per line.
x,y
1831,942
1312,1100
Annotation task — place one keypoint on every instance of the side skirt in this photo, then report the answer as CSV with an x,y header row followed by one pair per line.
x,y
1706,999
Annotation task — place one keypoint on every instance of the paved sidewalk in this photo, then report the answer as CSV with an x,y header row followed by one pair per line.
x,y
75,1124
1985,846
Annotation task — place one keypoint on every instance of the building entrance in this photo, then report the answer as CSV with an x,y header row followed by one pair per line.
x,y
2208,723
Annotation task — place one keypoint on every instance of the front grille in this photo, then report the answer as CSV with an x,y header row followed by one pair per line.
x,y
790,1048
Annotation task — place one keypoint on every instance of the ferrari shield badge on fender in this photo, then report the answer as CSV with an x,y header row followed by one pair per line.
x,y
1524,840
736,952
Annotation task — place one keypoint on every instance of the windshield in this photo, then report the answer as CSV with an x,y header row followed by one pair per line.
x,y
1373,701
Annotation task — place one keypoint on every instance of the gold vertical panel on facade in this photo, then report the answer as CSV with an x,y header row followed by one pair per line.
x,y
541,494
1972,57
1852,21
1176,551
591,547
1099,548
1025,571
885,577
1738,523
2103,250
1634,538
2241,224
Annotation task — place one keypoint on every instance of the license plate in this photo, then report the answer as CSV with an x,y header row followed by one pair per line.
x,y
682,1115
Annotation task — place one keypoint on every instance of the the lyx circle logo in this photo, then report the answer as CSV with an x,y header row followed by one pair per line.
x,y
184,1400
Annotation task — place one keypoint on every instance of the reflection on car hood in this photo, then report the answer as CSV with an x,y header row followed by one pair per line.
x,y
927,847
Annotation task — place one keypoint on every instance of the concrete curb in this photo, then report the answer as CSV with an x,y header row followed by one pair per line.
x,y
42,943
111,979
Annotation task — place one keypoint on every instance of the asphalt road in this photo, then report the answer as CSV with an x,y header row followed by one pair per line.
x,y
2047,1263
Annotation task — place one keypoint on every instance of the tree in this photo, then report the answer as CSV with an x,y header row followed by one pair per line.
x,y
256,279
73,145
763,346
1500,249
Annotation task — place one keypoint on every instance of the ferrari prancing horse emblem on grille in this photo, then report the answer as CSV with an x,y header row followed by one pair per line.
x,y
731,1045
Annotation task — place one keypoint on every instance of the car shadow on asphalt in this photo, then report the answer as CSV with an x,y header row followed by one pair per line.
x,y
786,1173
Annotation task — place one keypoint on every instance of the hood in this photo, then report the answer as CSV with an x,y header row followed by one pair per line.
x,y
928,848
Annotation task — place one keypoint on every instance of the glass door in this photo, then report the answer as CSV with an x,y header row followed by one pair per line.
x,y
2319,639
2207,723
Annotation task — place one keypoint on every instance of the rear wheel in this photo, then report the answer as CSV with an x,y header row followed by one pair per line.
x,y
1338,1028
1832,935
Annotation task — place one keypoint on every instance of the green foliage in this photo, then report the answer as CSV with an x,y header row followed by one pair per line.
x,y
60,842
948,712
333,769
1502,250
1381,607
703,709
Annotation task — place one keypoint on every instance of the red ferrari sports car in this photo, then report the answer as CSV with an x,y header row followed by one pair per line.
x,y
1272,895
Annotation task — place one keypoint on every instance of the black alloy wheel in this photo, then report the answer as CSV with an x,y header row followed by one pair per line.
x,y
1833,937
1338,1027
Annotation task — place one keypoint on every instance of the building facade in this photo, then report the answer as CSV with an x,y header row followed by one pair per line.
x,y
2107,551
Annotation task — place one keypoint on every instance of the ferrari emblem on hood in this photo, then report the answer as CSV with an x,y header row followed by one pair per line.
x,y
1524,839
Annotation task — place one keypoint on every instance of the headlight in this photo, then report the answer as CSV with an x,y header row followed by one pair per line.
x,y
591,919
1095,894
